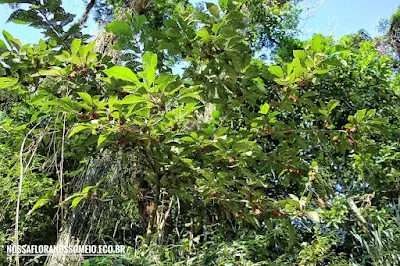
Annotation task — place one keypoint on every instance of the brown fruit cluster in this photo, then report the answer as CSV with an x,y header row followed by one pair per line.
x,y
351,130
277,214
296,171
351,140
294,99
94,115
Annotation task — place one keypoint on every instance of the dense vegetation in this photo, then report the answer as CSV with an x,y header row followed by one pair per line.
x,y
263,150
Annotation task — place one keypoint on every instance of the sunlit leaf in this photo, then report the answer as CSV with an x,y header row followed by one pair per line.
x,y
204,35
86,97
77,129
123,73
276,70
7,82
264,108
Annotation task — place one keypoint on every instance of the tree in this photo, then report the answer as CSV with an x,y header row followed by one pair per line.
x,y
236,160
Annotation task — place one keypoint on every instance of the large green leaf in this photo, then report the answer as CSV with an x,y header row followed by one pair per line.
x,y
130,99
123,73
40,203
101,139
150,66
7,82
299,54
223,4
213,9
50,72
77,129
204,35
13,42
86,97
119,28
75,45
3,45
264,108
276,70
316,43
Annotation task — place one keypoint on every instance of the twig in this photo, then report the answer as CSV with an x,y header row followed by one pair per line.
x,y
52,27
60,178
161,226
85,15
21,179
177,217
358,214
83,19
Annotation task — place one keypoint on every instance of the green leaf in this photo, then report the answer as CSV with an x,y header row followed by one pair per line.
x,y
86,97
321,71
101,139
123,73
87,189
194,135
316,43
139,20
75,45
216,114
38,204
299,54
292,235
150,60
221,131
188,110
187,139
77,129
3,45
49,72
370,113
34,116
7,82
174,33
223,4
324,112
309,94
76,201
130,99
264,108
213,9
171,23
360,115
119,28
276,70
13,42
204,35
150,66
332,105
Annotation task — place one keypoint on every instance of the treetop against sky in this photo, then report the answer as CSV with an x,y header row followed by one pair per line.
x,y
336,17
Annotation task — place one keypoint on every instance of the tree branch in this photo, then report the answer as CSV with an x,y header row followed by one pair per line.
x,y
85,15
83,19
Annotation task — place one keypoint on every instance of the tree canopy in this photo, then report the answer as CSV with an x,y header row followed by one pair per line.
x,y
262,150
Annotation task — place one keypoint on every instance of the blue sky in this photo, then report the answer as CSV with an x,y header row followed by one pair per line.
x,y
337,17
341,17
